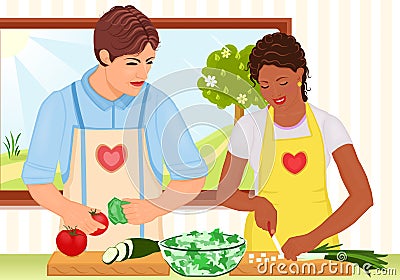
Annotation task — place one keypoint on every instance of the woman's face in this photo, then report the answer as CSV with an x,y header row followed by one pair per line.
x,y
127,73
279,86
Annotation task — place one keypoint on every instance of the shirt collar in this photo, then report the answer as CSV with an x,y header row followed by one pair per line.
x,y
101,102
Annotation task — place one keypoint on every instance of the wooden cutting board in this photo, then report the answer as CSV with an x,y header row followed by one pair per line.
x,y
268,264
91,264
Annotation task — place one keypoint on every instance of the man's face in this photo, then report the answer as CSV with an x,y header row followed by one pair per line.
x,y
127,73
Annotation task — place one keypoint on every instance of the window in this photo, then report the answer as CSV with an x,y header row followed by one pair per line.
x,y
28,45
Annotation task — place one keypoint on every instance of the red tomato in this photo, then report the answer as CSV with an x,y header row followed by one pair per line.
x,y
71,241
101,218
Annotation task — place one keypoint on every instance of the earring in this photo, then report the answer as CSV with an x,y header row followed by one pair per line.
x,y
299,84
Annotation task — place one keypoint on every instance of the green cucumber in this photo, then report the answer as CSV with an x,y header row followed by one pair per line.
x,y
143,247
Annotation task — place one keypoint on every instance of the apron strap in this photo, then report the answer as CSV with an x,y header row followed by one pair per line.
x,y
142,108
77,108
83,144
140,151
83,147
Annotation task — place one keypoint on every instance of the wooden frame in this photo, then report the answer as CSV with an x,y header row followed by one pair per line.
x,y
206,198
282,24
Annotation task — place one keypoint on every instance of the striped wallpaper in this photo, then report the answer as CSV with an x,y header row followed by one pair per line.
x,y
350,46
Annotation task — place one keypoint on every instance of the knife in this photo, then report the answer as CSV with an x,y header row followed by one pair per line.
x,y
275,240
311,256
303,256
277,245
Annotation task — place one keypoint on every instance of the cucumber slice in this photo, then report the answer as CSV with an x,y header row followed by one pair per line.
x,y
130,246
123,250
110,255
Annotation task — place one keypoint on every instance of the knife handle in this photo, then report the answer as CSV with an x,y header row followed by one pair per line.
x,y
269,227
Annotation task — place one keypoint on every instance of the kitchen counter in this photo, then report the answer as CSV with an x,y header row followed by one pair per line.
x,y
34,267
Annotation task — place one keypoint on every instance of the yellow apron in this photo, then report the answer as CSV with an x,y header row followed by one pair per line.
x,y
102,167
296,186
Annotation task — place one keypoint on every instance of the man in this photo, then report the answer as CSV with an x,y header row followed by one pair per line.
x,y
111,132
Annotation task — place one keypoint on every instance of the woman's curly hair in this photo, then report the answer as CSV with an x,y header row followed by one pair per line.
x,y
281,50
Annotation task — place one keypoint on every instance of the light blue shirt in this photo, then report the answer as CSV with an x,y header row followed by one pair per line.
x,y
168,138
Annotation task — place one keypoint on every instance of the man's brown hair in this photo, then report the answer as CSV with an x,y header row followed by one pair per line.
x,y
122,31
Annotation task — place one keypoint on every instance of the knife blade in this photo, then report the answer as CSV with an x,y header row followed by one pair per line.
x,y
277,245
311,256
275,240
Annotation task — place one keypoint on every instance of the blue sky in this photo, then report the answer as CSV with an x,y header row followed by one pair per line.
x,y
52,59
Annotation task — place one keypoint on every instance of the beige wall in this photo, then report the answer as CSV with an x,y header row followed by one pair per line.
x,y
350,48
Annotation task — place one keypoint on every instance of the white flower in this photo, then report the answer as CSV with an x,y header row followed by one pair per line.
x,y
210,80
225,53
242,98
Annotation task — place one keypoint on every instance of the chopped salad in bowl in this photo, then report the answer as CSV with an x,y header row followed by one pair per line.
x,y
203,253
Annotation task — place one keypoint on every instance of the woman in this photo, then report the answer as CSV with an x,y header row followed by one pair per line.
x,y
289,143
108,133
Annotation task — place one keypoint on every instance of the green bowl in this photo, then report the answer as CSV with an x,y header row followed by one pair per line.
x,y
207,262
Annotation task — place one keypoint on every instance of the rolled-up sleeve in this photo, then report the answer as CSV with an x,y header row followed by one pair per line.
x,y
180,154
46,141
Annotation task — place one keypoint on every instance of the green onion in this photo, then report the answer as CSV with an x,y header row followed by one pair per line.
x,y
359,257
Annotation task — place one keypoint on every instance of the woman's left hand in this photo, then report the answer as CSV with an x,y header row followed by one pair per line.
x,y
140,211
299,244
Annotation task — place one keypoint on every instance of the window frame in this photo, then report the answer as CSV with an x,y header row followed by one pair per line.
x,y
206,197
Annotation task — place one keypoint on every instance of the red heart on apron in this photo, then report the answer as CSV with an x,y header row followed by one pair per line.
x,y
294,164
111,159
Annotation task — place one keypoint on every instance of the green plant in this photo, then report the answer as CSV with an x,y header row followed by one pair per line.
x,y
12,147
226,80
367,260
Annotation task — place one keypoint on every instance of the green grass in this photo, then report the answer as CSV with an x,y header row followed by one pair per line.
x,y
4,160
214,174
213,141
18,184
214,171
216,138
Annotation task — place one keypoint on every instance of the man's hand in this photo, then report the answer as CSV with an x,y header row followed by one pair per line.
x,y
141,211
299,244
74,214
265,215
77,215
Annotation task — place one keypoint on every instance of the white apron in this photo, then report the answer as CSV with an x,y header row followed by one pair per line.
x,y
107,163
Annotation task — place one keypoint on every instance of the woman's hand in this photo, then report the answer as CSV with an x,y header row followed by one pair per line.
x,y
141,211
296,245
265,214
77,215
